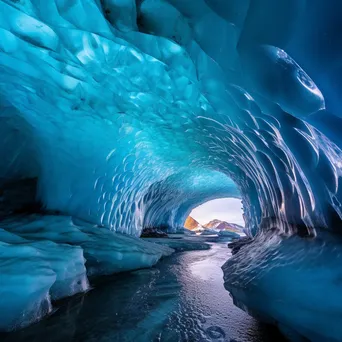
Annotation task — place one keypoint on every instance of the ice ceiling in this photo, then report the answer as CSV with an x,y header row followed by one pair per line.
x,y
130,113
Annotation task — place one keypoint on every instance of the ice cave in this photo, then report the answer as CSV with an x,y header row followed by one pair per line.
x,y
121,115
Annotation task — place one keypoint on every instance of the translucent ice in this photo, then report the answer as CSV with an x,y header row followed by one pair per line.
x,y
104,251
67,262
131,113
42,258
148,109
24,287
291,282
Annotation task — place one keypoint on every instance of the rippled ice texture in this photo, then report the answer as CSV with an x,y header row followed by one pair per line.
x,y
44,258
130,113
293,283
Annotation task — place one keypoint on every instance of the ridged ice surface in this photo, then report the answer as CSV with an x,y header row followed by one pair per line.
x,y
293,283
132,113
44,258
182,299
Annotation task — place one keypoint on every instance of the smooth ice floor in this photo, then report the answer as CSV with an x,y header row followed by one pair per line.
x,y
181,299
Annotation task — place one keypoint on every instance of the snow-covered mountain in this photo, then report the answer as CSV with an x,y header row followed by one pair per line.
x,y
214,226
223,225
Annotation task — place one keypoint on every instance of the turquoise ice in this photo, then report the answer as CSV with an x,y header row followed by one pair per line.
x,y
129,114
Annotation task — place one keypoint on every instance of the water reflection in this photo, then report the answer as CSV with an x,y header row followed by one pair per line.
x,y
181,299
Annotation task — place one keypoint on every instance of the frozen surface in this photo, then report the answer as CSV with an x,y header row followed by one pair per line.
x,y
32,273
229,234
181,299
104,251
44,258
131,113
24,287
286,281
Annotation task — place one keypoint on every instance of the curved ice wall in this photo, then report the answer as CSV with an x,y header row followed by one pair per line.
x,y
130,113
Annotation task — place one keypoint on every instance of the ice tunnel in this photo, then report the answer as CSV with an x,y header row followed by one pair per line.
x,y
118,115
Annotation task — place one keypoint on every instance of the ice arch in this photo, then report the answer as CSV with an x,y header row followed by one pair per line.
x,y
168,203
129,113
121,101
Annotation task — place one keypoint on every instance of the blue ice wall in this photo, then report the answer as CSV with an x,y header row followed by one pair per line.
x,y
130,113
168,203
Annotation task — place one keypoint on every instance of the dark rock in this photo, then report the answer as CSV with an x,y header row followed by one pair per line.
x,y
153,233
236,245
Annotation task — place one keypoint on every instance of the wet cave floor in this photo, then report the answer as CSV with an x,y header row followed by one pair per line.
x,y
181,299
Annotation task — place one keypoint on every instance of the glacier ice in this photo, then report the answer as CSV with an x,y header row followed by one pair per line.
x,y
291,282
44,258
24,287
128,114
155,114
229,234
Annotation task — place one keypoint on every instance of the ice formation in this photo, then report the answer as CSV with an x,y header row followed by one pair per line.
x,y
44,258
131,113
292,283
229,234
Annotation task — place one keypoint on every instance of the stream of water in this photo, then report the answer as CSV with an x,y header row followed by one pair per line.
x,y
181,299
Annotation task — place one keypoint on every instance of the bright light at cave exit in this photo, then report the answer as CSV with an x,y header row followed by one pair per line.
x,y
225,209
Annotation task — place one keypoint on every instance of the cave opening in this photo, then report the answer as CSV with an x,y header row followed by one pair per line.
x,y
122,115
227,209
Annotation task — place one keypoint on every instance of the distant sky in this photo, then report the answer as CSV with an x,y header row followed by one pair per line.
x,y
225,209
